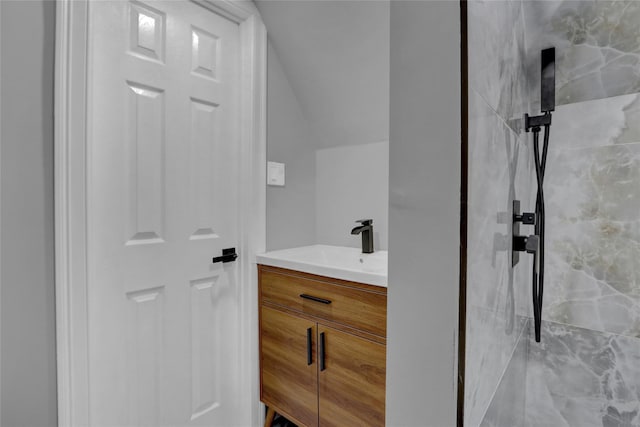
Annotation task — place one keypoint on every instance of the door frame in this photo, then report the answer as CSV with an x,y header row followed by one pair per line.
x,y
70,157
464,205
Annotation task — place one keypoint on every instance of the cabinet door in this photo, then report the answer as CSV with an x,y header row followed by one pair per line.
x,y
352,383
289,377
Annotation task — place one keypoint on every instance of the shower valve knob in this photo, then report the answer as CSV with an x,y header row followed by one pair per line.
x,y
531,244
527,244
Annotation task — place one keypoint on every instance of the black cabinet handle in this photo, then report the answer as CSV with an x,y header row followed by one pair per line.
x,y
312,298
309,346
322,367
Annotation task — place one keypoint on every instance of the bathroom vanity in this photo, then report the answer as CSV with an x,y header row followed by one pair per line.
x,y
323,336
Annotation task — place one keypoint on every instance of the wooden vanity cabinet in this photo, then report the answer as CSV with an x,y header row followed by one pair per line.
x,y
322,356
351,388
288,381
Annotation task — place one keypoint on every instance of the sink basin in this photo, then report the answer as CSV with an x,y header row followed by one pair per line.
x,y
333,261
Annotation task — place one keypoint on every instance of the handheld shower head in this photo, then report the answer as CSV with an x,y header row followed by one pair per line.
x,y
548,80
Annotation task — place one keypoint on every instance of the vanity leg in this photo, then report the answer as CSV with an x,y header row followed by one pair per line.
x,y
269,418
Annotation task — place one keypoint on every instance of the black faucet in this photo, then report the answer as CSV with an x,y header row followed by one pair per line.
x,y
366,229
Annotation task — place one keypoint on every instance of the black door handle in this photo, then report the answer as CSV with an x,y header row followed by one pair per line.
x,y
228,255
322,366
309,345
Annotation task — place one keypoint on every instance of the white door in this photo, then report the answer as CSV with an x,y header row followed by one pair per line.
x,y
163,163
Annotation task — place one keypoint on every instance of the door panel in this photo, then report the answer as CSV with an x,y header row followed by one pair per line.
x,y
144,361
352,386
206,347
145,146
288,381
163,170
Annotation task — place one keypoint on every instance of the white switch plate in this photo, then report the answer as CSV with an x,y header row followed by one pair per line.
x,y
275,174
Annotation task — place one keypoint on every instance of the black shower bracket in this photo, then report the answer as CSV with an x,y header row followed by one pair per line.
x,y
536,122
527,218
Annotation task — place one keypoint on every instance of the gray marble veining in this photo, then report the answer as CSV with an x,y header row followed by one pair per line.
x,y
579,377
496,57
499,171
491,340
597,46
493,304
594,239
592,189
490,145
509,402
597,123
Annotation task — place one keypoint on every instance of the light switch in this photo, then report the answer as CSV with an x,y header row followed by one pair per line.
x,y
275,174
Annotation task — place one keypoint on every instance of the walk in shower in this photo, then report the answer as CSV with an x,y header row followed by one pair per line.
x,y
585,371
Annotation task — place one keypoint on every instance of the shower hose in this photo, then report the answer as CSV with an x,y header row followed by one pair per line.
x,y
538,257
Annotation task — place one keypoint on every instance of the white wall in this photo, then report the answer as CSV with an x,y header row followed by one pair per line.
x,y
291,213
328,86
28,370
424,207
336,56
352,182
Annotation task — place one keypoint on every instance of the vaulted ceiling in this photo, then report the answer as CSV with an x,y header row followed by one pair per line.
x,y
335,55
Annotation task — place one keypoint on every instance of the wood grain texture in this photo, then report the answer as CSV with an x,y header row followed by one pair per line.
x,y
268,420
359,306
352,386
357,332
287,382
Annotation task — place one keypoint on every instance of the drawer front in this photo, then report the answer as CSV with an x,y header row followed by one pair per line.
x,y
349,306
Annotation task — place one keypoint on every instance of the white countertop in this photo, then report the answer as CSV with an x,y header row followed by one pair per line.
x,y
332,261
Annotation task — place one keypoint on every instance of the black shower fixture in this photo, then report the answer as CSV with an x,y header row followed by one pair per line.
x,y
534,244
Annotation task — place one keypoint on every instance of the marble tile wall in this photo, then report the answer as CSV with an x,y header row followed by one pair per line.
x,y
574,377
593,208
597,48
578,377
497,63
586,371
492,325
508,407
499,171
